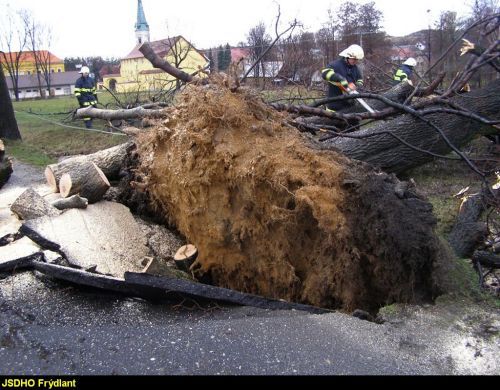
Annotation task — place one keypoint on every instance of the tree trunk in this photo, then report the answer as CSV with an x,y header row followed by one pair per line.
x,y
486,259
110,161
391,155
8,123
468,232
87,180
5,166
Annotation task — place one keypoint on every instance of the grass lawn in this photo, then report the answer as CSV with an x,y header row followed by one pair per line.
x,y
44,140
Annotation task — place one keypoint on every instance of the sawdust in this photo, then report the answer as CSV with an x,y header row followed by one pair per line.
x,y
272,215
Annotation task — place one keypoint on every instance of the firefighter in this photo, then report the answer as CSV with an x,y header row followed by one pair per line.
x,y
404,72
85,92
344,74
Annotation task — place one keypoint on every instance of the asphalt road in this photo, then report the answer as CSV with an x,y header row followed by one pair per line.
x,y
52,328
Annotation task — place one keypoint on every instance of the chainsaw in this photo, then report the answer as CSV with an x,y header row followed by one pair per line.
x,y
361,101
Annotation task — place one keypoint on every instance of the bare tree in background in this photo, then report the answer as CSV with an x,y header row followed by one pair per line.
x,y
326,38
43,58
32,29
13,40
258,40
174,46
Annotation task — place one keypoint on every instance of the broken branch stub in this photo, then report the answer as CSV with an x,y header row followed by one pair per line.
x,y
88,181
73,202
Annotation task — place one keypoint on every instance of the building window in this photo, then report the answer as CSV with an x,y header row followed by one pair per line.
x,y
29,72
58,89
52,71
58,70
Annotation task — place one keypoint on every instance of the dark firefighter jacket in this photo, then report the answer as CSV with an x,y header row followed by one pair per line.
x,y
403,73
340,72
85,91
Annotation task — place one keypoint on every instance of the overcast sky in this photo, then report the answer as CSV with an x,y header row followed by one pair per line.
x,y
106,27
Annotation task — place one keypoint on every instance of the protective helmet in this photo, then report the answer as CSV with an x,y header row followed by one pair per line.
x,y
84,69
410,62
353,51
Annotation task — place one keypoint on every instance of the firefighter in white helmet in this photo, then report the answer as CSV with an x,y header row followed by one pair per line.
x,y
86,93
405,71
344,74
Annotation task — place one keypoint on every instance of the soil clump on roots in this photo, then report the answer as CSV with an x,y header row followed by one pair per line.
x,y
272,214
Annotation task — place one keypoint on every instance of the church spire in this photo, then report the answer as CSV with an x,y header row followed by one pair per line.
x,y
141,27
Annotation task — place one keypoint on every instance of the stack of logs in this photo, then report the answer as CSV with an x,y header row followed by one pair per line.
x,y
88,175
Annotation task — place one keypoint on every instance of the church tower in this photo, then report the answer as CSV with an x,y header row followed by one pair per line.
x,y
141,27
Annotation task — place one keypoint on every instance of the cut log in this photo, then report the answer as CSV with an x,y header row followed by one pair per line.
x,y
30,205
73,202
110,161
87,180
185,257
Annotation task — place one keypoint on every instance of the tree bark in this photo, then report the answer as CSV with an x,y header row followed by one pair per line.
x,y
8,123
88,181
73,202
134,113
391,155
160,63
30,205
486,259
5,166
110,161
468,232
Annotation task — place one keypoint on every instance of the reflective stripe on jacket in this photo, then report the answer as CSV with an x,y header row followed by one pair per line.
x,y
85,91
340,72
403,73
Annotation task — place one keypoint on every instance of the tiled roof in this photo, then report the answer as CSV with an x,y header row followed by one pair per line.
x,y
161,48
28,56
237,53
57,79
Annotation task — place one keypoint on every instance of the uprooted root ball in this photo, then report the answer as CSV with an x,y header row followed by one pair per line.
x,y
273,215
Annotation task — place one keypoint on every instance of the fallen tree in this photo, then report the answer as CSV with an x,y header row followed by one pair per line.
x,y
380,144
281,215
